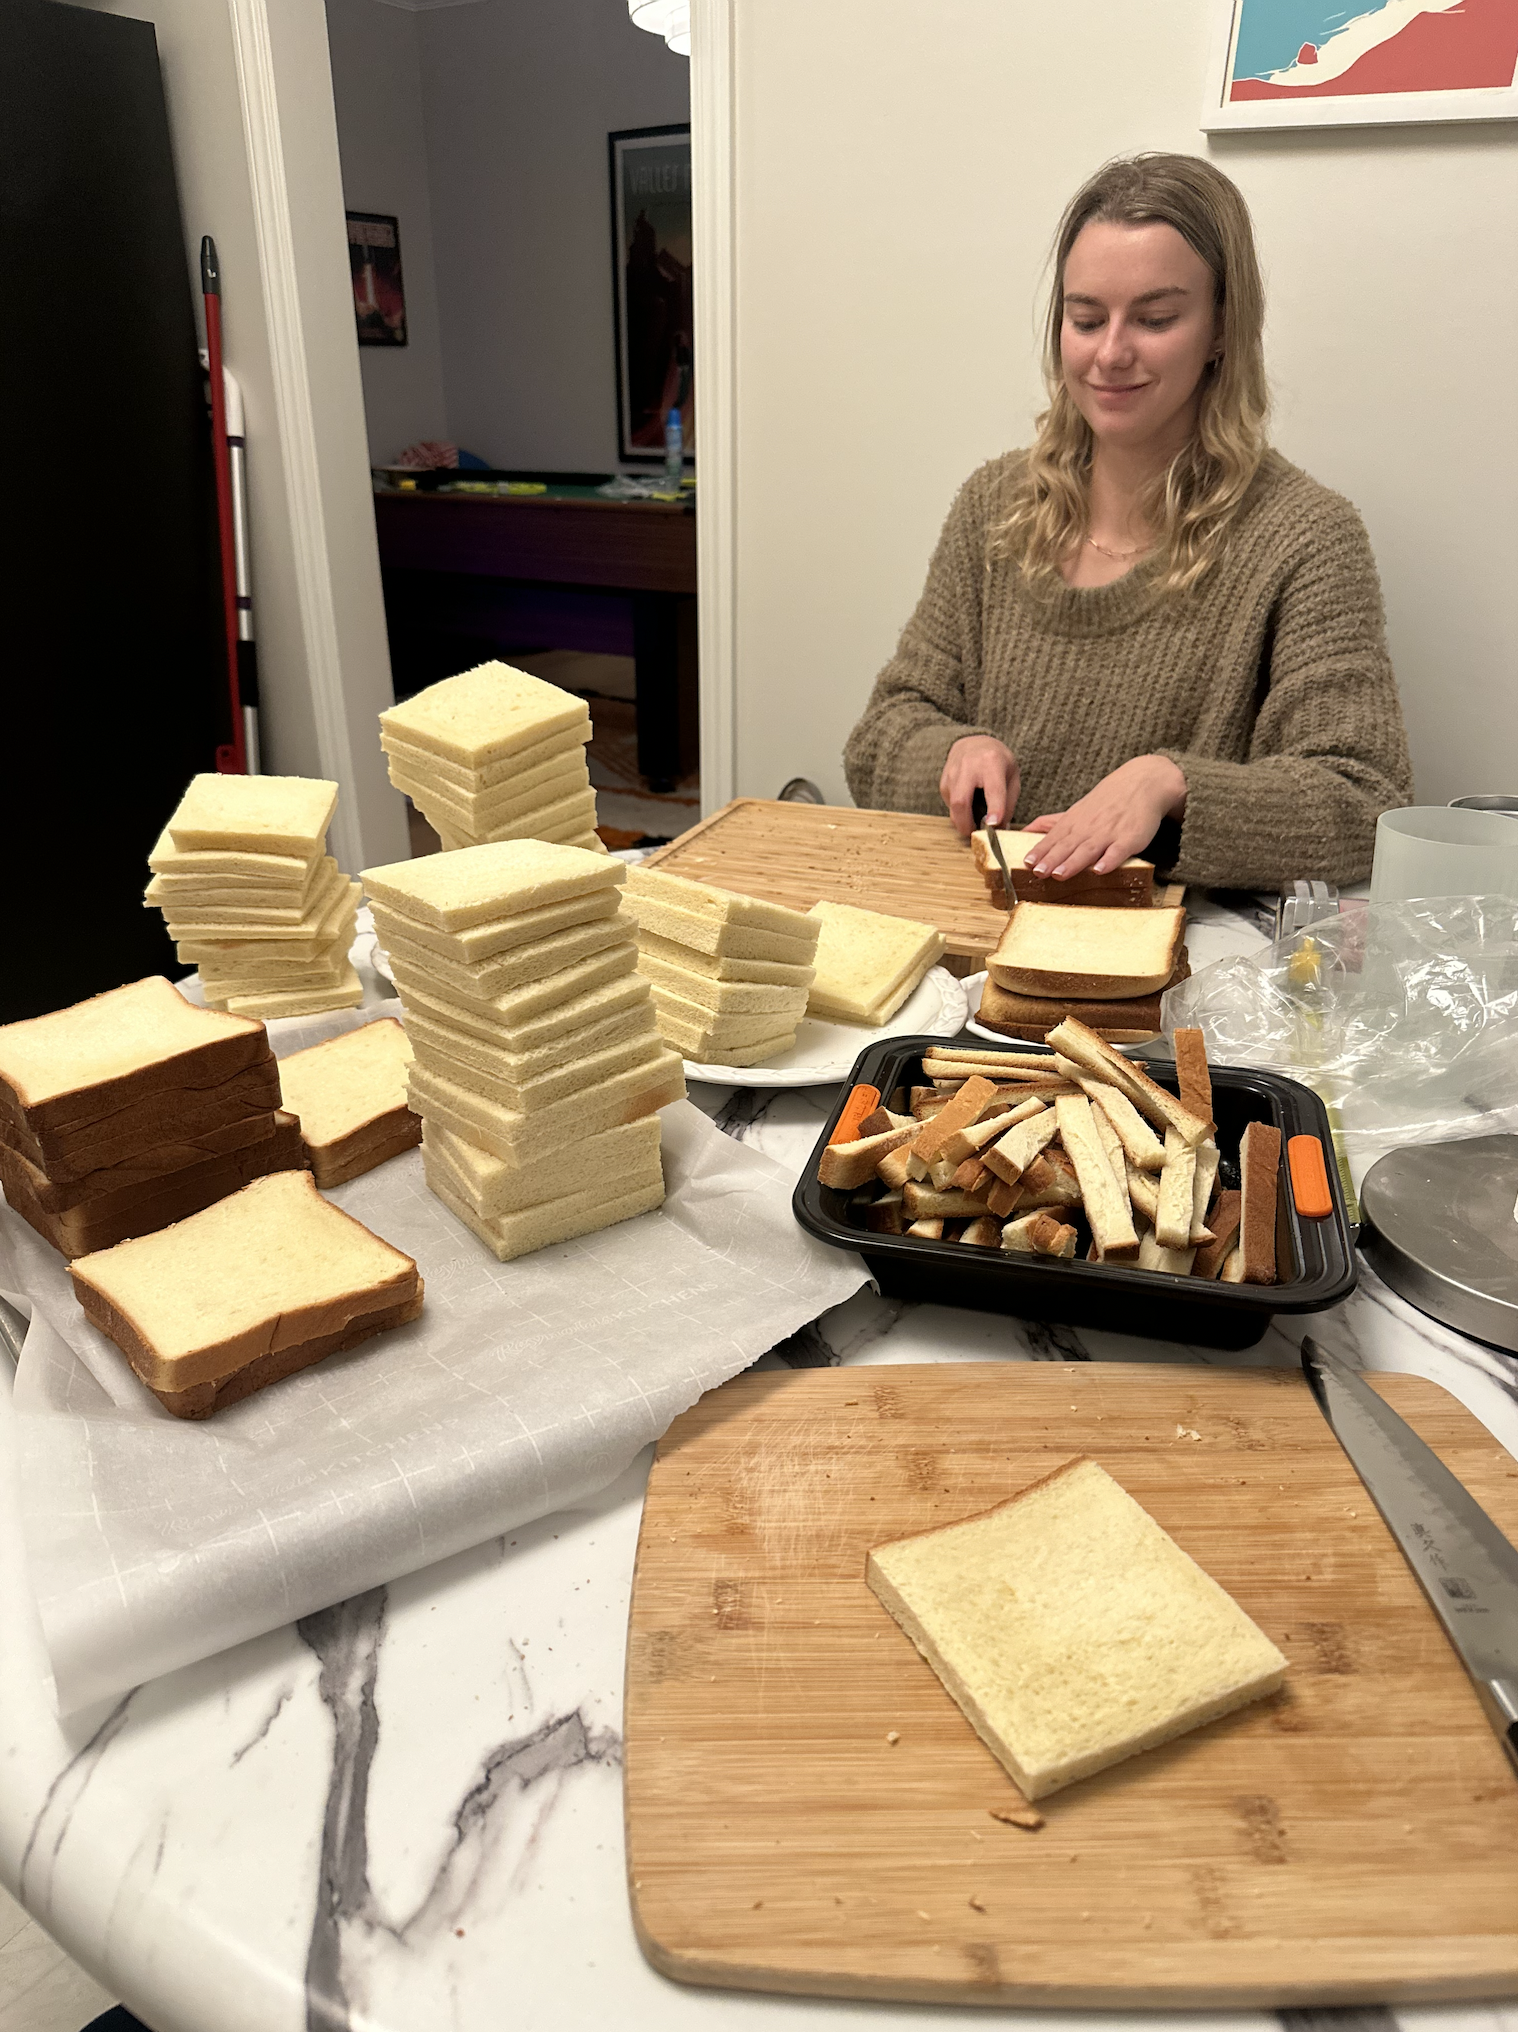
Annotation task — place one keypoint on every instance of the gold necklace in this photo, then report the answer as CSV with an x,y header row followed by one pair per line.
x,y
1119,556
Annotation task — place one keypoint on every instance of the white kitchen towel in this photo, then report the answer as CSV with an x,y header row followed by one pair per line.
x,y
153,1542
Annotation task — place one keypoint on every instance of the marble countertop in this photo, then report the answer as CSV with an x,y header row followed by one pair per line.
x,y
405,1812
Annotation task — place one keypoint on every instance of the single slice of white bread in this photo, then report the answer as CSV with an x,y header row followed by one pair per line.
x,y
254,815
546,784
1259,1173
83,1064
718,906
484,714
327,899
234,863
700,933
487,775
492,1187
1098,955
272,1003
523,1139
265,1269
560,1220
723,998
451,892
350,1091
867,964
721,966
493,937
519,966
1071,1629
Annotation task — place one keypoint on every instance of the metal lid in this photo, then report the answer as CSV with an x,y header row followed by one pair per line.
x,y
1440,1224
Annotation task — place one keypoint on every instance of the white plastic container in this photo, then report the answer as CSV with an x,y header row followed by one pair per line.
x,y
1434,850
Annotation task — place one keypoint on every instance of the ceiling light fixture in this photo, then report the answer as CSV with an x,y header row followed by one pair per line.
x,y
669,18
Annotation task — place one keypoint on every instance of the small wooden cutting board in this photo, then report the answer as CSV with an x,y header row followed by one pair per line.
x,y
808,1811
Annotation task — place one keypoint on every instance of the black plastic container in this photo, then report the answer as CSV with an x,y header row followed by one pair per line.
x,y
1315,1259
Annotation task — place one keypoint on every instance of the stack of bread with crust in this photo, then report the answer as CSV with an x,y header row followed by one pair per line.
x,y
538,1066
1108,968
128,1112
494,754
1129,886
252,897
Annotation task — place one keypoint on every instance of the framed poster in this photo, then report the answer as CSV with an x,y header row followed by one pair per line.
x,y
379,296
651,287
1366,63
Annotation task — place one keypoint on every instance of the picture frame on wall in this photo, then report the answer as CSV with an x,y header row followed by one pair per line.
x,y
650,170
379,293
1361,63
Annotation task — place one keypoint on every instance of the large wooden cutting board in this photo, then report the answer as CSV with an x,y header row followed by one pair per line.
x,y
895,862
1352,1839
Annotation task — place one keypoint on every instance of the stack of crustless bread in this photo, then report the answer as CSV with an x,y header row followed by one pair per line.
x,y
494,754
255,902
539,1069
123,1114
1006,1150
1107,968
867,963
730,975
247,1292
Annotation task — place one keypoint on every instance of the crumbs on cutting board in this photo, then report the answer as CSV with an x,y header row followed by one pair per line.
x,y
1187,1432
1019,1816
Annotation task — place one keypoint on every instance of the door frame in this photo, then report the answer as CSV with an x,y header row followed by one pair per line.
x,y
713,182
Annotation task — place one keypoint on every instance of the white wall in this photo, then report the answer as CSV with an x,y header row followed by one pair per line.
x,y
376,80
900,166
255,149
520,96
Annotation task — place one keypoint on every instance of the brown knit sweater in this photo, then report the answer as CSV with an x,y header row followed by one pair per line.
x,y
1269,685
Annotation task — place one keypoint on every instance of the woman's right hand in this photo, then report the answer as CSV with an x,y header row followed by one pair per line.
x,y
979,763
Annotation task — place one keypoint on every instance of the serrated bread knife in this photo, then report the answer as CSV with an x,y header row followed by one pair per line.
x,y
1463,1563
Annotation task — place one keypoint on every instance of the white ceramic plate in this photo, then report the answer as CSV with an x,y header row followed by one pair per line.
x,y
824,1053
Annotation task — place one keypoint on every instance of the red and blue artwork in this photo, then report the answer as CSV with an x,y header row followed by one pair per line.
x,y
1305,49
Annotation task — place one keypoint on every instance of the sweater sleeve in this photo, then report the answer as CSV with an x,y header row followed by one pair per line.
x,y
924,699
1328,750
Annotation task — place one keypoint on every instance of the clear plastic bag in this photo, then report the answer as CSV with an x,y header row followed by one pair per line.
x,y
1403,1017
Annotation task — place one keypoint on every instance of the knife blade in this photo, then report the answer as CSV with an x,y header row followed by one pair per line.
x,y
993,833
1463,1563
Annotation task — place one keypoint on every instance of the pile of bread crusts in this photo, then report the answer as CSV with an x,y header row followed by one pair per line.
x,y
1002,1150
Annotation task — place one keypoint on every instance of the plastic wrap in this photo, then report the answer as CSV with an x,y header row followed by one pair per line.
x,y
1403,1017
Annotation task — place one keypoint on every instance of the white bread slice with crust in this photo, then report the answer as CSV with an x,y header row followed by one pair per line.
x,y
143,1171
484,715
350,1095
263,1270
1130,885
522,1137
1094,954
452,892
286,815
867,963
1071,1629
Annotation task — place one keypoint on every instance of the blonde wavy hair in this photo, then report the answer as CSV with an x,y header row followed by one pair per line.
x,y
1192,503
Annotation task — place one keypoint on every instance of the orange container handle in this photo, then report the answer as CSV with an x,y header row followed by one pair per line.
x,y
861,1102
1309,1178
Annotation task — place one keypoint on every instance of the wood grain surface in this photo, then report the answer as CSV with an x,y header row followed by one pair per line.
x,y
808,1811
895,862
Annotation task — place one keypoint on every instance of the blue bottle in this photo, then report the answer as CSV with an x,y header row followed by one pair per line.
x,y
674,451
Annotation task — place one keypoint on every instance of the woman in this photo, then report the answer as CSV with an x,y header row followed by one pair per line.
x,y
1150,631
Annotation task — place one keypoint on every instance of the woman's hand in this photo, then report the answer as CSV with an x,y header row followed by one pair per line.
x,y
979,763
1117,818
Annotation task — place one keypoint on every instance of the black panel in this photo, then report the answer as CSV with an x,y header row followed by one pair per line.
x,y
111,678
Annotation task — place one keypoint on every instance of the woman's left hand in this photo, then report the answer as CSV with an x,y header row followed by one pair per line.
x,y
1117,818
